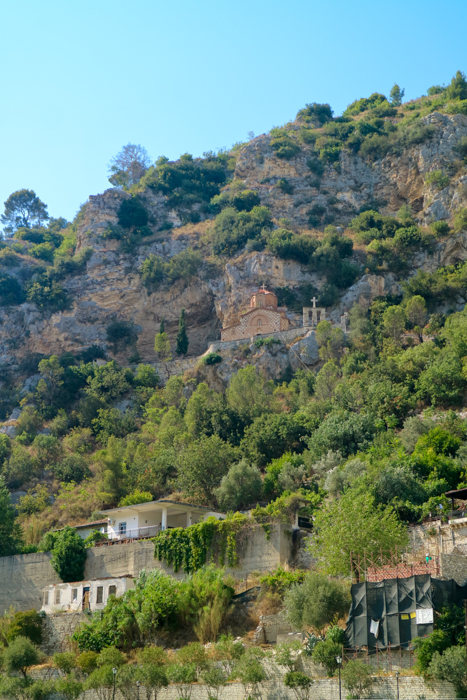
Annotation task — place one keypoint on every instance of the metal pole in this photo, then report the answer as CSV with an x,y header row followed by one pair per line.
x,y
339,660
397,684
137,689
465,624
114,671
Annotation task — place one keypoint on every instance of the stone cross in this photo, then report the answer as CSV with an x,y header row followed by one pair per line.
x,y
314,300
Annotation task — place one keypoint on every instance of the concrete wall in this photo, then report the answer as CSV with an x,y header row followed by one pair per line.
x,y
22,578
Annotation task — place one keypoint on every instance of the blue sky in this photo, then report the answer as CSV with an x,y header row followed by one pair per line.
x,y
81,79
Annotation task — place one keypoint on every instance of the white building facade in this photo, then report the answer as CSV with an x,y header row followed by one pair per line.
x,y
84,595
148,519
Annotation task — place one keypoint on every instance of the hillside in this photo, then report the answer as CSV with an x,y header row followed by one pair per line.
x,y
366,211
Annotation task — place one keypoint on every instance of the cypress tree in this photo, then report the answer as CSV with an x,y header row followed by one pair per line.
x,y
182,338
162,328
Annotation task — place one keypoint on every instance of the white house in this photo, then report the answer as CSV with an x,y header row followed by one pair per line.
x,y
84,595
147,519
88,528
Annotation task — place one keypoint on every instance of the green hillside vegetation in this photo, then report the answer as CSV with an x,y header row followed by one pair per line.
x,y
365,443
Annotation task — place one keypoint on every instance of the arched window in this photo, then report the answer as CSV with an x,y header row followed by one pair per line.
x,y
259,322
260,302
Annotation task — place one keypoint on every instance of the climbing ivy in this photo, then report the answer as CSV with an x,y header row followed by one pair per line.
x,y
188,548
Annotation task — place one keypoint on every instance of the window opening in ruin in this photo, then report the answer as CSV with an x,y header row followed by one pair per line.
x,y
100,594
57,596
46,598
86,598
112,590
74,595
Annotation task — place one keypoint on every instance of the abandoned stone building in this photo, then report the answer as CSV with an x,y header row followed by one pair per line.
x,y
263,317
84,595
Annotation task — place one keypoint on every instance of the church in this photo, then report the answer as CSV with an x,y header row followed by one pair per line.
x,y
263,317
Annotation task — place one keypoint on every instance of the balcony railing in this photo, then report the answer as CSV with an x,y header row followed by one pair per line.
x,y
135,533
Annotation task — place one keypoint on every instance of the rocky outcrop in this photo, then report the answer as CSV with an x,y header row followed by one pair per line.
x,y
110,288
392,181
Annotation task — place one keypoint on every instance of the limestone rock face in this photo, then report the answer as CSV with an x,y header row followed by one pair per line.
x,y
394,180
111,289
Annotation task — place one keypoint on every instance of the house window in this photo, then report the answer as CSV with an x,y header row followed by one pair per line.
x,y
122,528
112,590
46,597
100,594
57,596
74,595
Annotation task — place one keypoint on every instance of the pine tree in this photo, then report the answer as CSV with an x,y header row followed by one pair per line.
x,y
396,95
182,338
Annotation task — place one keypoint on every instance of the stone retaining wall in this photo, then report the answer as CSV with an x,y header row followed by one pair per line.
x,y
22,577
410,687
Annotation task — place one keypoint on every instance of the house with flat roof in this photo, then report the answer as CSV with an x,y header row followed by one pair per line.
x,y
148,519
84,595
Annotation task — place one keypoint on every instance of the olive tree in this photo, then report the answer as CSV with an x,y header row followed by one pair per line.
x,y
317,602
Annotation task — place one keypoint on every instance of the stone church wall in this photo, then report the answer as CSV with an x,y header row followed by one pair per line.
x,y
248,325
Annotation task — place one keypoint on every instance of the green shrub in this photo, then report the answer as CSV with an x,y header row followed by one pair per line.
x,y
47,294
136,497
435,90
94,538
361,105
188,181
20,655
243,200
440,228
43,251
154,270
212,358
460,220
132,213
11,292
72,468
26,624
285,147
357,678
279,581
315,112
8,258
286,186
233,229
299,683
68,555
316,166
437,179
121,333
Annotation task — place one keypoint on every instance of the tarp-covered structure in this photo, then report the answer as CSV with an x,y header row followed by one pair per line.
x,y
384,613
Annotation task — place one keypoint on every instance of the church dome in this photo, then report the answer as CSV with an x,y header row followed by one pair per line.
x,y
263,299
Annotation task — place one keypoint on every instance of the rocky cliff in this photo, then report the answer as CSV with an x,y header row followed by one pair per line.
x,y
110,287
